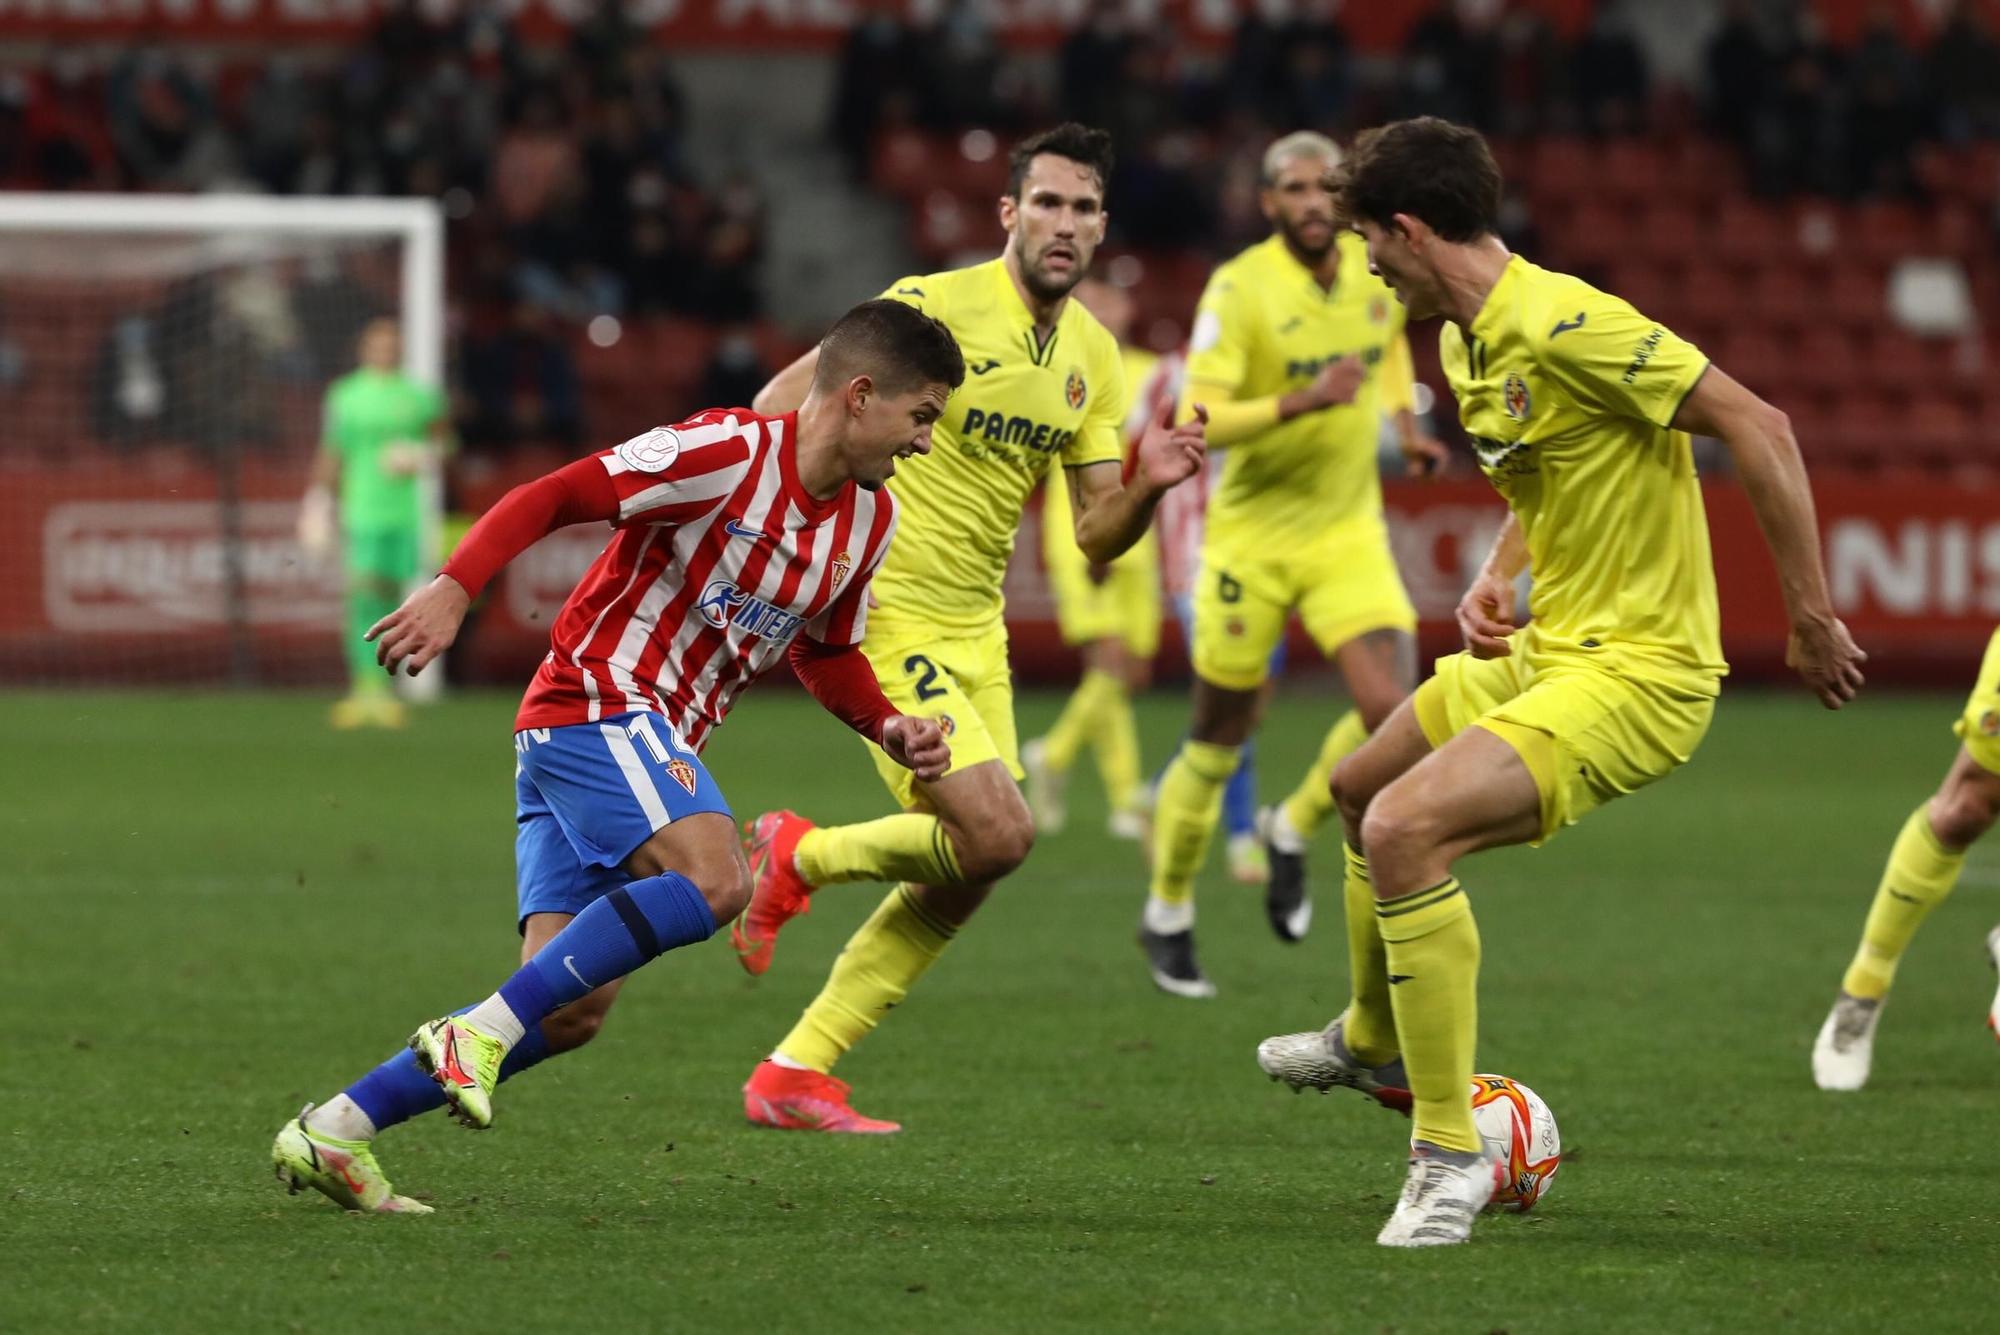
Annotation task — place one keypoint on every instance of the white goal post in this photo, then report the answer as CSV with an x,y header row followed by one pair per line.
x,y
96,292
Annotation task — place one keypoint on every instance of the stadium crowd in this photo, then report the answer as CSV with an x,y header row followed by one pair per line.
x,y
565,175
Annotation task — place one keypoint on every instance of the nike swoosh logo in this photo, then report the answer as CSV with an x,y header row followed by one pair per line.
x,y
1564,326
1396,978
736,530
569,962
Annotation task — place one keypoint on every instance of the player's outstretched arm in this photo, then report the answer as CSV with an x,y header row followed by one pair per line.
x,y
413,635
786,390
1760,441
1111,517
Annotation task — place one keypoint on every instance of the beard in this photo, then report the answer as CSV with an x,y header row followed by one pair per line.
x,y
1045,288
1312,251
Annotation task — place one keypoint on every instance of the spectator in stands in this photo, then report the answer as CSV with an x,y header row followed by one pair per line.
x,y
1964,74
165,127
1612,88
522,380
1885,112
1452,63
1740,65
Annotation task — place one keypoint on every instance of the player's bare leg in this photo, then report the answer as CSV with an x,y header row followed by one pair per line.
x,y
1922,869
1358,1049
982,813
1475,792
1184,821
1379,668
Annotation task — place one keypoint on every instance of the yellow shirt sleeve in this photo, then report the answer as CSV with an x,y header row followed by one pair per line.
x,y
1609,354
1101,438
916,290
1398,375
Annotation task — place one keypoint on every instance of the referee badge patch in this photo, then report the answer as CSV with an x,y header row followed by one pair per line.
x,y
653,452
1074,390
1515,393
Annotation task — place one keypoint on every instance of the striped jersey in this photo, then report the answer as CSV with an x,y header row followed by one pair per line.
x,y
718,559
1178,519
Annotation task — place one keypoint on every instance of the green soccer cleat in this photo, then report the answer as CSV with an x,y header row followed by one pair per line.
x,y
465,1062
343,1171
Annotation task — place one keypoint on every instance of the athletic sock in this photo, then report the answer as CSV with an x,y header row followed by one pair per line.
x,y
875,971
1074,726
614,935
1920,873
1432,945
1312,801
1239,798
906,847
1370,1028
1116,744
398,1090
1185,814
1168,917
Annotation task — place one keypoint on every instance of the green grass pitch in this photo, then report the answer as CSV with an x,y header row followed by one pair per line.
x,y
213,909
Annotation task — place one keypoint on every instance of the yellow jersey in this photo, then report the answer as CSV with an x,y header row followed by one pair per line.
x,y
1266,327
1025,403
1058,516
1567,393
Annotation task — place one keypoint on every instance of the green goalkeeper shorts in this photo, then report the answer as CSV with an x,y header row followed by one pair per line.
x,y
382,554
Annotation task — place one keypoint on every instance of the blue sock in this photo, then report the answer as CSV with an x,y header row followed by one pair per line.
x,y
398,1089
1239,799
611,937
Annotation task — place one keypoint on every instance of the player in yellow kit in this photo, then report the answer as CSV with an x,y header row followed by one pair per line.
x,y
1579,408
1298,350
1111,614
1044,387
1923,867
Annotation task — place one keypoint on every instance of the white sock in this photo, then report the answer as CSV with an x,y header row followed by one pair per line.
x,y
1283,837
341,1118
1167,919
789,1063
497,1018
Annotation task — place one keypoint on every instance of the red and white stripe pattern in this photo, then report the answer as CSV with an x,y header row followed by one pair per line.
x,y
719,560
1178,519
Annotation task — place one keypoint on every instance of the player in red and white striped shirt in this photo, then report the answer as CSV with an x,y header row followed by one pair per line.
x,y
738,539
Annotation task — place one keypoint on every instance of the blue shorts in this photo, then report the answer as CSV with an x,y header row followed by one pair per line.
x,y
586,795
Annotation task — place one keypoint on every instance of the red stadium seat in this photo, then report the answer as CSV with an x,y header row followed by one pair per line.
x,y
1632,169
1856,296
1671,231
1782,294
1826,360
1756,358
1751,233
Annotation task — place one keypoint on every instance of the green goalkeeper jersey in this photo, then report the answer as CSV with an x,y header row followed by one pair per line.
x,y
367,412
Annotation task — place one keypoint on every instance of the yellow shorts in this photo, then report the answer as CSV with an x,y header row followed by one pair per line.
x,y
1125,607
1589,729
962,681
1979,726
1344,586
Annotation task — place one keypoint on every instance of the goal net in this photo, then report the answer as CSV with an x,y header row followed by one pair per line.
x,y
163,362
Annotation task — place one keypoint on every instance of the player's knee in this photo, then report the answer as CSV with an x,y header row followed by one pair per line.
x,y
1351,792
1394,835
1964,812
725,885
996,848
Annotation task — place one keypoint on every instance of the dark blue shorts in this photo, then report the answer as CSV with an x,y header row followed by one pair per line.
x,y
586,795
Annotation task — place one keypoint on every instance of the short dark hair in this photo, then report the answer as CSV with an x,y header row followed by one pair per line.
x,y
897,345
1079,143
1426,167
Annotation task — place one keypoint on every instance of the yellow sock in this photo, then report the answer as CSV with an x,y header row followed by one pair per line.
x,y
1370,1030
1921,872
906,847
1116,742
1312,801
1184,817
1433,951
1074,725
881,960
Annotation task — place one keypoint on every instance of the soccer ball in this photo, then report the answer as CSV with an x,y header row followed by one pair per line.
x,y
1518,1127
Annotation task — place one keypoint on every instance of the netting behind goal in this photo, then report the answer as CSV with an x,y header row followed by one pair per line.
x,y
160,404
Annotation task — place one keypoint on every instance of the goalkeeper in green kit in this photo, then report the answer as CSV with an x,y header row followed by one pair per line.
x,y
380,430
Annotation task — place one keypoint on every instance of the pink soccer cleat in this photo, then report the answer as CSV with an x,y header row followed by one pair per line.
x,y
789,1100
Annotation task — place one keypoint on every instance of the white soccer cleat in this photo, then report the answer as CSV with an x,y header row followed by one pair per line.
x,y
1045,787
1993,954
1131,824
1845,1047
1441,1197
1319,1060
